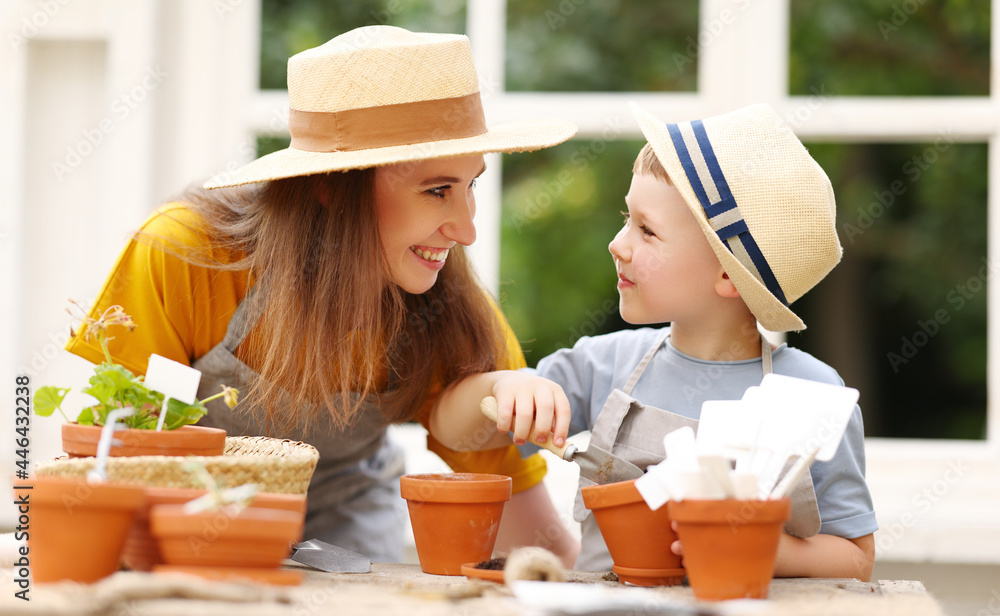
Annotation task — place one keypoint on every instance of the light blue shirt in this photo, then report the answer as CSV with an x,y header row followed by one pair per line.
x,y
680,384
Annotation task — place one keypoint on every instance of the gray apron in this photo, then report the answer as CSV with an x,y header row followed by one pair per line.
x,y
634,431
353,499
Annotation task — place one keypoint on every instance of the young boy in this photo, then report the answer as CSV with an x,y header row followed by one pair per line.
x,y
729,220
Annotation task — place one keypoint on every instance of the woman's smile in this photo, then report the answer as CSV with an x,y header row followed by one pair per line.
x,y
431,257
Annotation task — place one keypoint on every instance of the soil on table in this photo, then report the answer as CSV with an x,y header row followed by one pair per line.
x,y
496,564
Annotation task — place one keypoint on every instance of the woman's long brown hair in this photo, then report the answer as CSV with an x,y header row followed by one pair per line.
x,y
332,322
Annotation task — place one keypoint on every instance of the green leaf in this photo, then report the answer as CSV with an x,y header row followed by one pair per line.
x,y
48,398
86,417
181,414
112,382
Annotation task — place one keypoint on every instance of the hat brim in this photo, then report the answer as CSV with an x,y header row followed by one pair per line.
x,y
521,136
768,310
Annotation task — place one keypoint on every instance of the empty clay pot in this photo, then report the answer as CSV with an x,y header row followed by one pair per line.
x,y
77,529
729,545
256,537
80,441
455,517
637,537
141,552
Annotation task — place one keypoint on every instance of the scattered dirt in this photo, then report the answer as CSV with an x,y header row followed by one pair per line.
x,y
496,564
606,471
610,576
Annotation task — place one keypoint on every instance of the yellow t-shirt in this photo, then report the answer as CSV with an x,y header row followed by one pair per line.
x,y
182,310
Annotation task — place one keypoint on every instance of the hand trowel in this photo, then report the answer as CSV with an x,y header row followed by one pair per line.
x,y
595,464
330,558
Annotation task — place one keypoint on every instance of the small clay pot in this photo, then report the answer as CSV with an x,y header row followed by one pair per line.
x,y
455,517
77,529
81,441
637,537
256,537
730,545
141,552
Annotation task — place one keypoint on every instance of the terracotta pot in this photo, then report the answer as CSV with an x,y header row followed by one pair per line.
x,y
730,545
637,537
80,441
455,517
141,552
77,529
256,537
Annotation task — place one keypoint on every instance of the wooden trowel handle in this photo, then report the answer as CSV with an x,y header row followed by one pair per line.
x,y
489,408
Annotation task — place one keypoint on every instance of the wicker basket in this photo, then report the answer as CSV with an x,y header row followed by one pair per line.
x,y
275,465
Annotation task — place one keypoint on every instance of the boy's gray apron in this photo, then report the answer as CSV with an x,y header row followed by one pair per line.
x,y
353,499
633,431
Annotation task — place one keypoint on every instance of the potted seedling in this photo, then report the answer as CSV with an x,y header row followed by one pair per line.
x,y
160,425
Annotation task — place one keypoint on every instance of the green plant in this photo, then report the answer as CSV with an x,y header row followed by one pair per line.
x,y
114,386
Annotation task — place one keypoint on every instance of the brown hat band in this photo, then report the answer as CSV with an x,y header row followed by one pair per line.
x,y
387,125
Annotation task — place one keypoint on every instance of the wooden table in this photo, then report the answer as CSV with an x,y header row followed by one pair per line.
x,y
404,589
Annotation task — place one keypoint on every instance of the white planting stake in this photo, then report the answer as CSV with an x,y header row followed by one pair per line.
x,y
99,473
745,486
717,467
173,380
799,467
653,486
681,450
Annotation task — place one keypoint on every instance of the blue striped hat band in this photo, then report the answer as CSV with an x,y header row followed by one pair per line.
x,y
709,184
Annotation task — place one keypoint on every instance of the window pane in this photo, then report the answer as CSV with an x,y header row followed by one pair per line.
x,y
561,208
908,47
903,317
290,26
624,45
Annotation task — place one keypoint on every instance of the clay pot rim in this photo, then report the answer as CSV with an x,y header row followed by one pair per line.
x,y
635,575
611,494
278,577
470,571
722,511
189,439
170,520
161,493
107,495
639,571
455,487
165,434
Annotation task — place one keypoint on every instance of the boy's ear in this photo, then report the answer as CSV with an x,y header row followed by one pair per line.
x,y
724,286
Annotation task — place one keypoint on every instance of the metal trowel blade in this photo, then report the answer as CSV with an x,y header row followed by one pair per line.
x,y
604,467
330,558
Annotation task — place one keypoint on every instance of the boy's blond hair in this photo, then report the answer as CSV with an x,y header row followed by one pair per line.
x,y
646,163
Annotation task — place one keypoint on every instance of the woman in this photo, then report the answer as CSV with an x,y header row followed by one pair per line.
x,y
334,291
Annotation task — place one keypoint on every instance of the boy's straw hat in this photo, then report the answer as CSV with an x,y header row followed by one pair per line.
x,y
378,95
765,205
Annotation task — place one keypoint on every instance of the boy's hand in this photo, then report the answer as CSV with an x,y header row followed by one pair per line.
x,y
526,398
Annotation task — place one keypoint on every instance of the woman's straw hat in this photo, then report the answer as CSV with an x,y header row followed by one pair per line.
x,y
379,95
765,205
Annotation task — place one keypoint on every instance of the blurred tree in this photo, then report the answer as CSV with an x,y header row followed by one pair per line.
x,y
291,26
611,45
911,289
880,48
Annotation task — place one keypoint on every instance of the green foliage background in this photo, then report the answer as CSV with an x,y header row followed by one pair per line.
x,y
909,268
